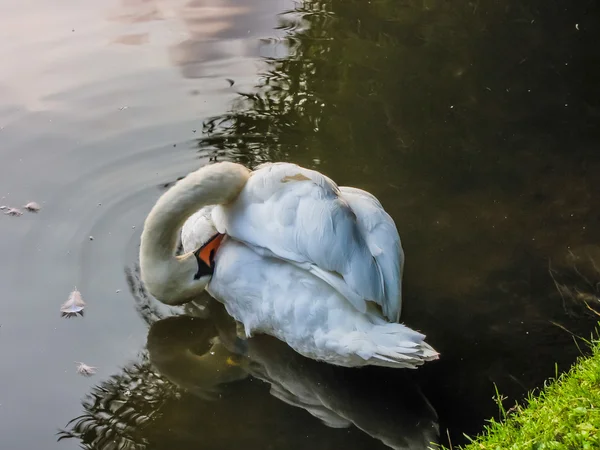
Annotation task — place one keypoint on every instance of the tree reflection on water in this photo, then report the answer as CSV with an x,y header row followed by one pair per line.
x,y
475,123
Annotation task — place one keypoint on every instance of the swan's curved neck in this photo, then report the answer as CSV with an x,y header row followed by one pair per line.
x,y
168,277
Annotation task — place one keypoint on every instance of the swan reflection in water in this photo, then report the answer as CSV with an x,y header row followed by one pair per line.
x,y
193,389
388,408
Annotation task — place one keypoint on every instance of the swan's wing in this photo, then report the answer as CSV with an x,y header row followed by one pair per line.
x,y
300,215
383,240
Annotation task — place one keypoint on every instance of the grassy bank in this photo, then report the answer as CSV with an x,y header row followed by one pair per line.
x,y
564,415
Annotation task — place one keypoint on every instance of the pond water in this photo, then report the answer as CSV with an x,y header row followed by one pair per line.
x,y
475,124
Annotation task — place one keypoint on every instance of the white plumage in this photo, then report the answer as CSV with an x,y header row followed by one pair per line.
x,y
341,235
304,261
274,297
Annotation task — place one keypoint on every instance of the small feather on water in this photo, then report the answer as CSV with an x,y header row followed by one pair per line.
x,y
13,212
73,306
85,370
32,206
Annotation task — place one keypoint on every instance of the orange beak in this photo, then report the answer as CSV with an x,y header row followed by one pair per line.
x,y
208,251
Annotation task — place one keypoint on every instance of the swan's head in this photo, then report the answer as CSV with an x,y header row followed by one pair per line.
x,y
176,280
200,237
183,278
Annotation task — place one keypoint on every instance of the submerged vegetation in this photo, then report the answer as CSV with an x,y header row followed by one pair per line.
x,y
564,415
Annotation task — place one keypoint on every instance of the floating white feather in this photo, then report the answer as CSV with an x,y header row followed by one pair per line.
x,y
73,306
85,370
13,212
32,206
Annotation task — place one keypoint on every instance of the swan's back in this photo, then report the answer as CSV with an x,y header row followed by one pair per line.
x,y
303,217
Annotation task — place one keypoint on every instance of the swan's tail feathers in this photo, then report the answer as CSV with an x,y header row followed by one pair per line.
x,y
388,345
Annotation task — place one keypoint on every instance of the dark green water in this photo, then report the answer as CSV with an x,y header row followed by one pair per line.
x,y
475,123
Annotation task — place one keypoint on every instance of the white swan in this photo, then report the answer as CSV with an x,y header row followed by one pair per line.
x,y
276,287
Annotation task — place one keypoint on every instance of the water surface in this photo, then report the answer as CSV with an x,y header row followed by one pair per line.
x,y
475,124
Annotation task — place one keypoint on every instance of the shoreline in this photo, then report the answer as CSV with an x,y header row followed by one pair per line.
x,y
564,414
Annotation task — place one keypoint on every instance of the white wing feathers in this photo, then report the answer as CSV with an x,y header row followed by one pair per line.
x,y
384,244
343,236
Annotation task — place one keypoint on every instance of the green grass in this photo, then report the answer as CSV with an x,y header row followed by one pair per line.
x,y
564,415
